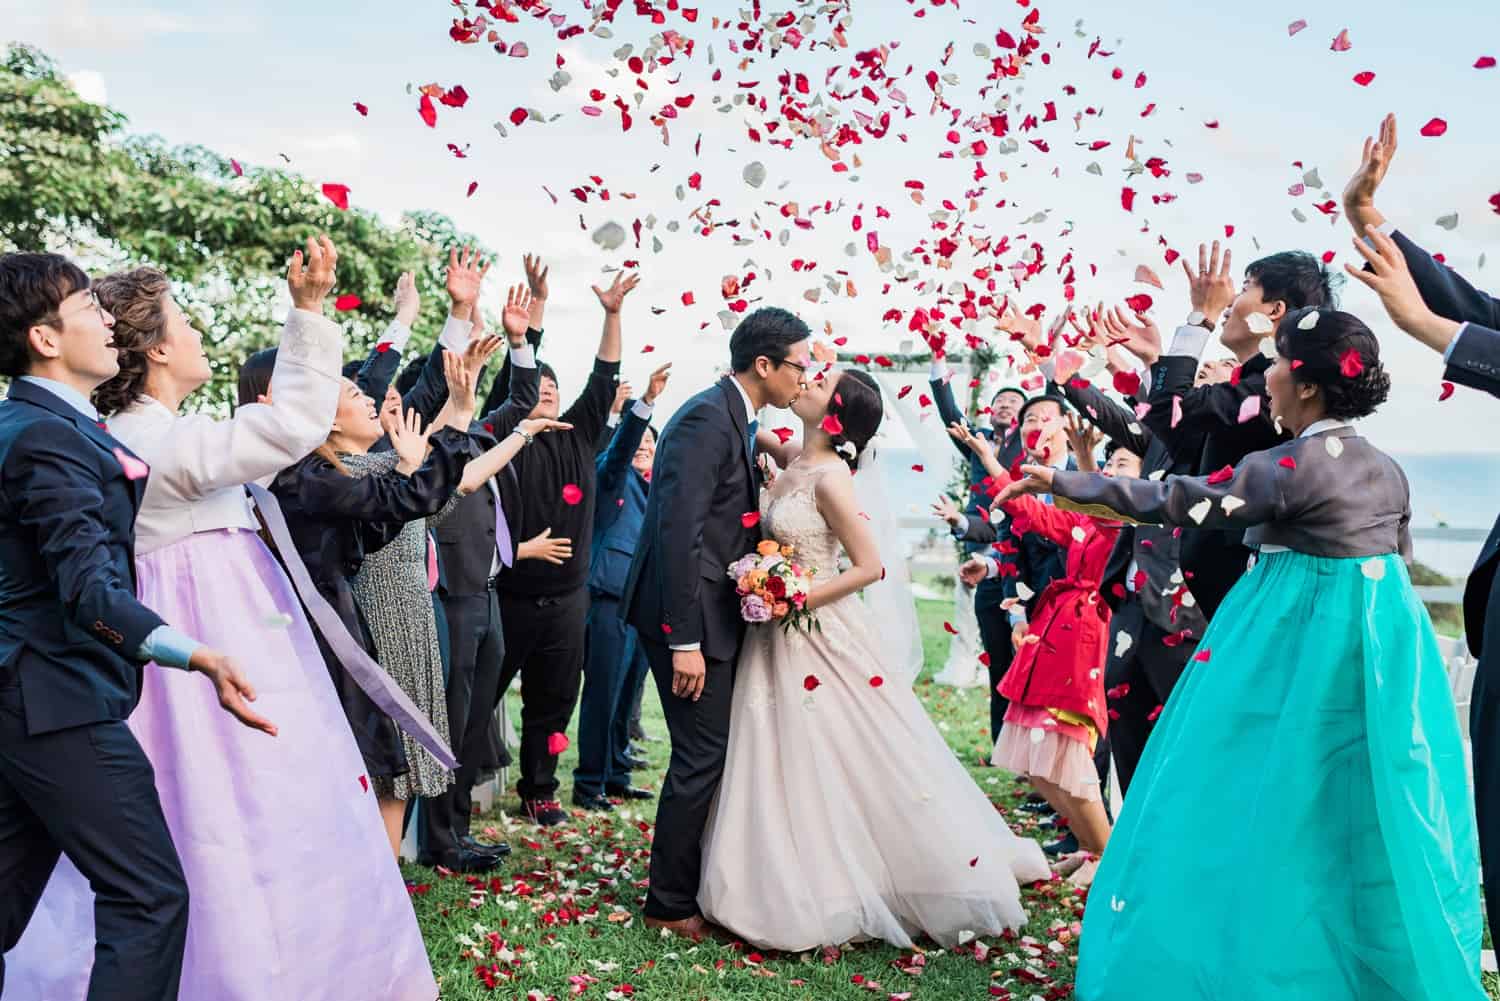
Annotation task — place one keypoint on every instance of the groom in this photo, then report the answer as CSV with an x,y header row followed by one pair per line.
x,y
679,596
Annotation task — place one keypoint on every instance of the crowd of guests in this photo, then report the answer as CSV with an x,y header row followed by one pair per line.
x,y
1223,612
362,523
365,555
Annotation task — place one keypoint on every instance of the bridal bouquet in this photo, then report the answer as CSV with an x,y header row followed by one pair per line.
x,y
772,588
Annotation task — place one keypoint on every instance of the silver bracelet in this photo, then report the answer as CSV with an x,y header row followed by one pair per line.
x,y
527,438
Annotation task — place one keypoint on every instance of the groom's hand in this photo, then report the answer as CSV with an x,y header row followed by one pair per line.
x,y
688,674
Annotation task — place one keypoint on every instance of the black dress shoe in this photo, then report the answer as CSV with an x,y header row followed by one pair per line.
x,y
587,802
463,860
1065,845
1042,807
636,763
628,792
480,848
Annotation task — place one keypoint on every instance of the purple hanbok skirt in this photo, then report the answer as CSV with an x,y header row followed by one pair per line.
x,y
293,890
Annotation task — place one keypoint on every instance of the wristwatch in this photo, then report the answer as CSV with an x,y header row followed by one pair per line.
x,y
1197,318
526,438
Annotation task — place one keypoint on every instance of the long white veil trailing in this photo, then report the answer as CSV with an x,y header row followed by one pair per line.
x,y
890,600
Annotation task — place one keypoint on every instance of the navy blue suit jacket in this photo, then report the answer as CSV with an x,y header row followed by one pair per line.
x,y
1474,362
620,510
70,624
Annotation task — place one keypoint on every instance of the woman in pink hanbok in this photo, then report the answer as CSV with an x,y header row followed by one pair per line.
x,y
294,893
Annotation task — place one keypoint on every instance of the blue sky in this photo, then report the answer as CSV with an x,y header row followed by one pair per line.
x,y
280,78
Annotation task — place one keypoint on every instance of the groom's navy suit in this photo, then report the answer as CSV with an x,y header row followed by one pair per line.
x,y
72,777
1474,360
679,594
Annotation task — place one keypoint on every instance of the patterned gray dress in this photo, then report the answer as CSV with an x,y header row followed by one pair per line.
x,y
391,588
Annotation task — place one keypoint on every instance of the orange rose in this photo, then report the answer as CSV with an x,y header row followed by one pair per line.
x,y
767,547
780,609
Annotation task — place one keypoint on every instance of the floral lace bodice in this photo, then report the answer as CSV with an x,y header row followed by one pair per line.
x,y
789,514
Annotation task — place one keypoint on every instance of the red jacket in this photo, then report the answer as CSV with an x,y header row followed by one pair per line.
x,y
1063,667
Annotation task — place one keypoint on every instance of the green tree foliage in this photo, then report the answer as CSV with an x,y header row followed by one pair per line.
x,y
72,180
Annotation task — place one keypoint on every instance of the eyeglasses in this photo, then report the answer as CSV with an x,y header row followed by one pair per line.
x,y
93,304
801,369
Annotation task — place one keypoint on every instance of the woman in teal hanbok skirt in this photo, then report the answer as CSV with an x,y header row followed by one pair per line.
x,y
1301,827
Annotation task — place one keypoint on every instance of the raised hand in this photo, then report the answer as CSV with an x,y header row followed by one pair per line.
x,y
946,510
466,271
622,393
310,278
541,425
1390,279
1359,193
408,300
978,444
1034,480
1211,287
536,276
544,547
1140,336
409,441
517,315
233,688
657,384
390,410
478,354
461,379
1022,326
613,297
1084,439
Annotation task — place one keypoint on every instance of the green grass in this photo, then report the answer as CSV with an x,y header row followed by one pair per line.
x,y
565,911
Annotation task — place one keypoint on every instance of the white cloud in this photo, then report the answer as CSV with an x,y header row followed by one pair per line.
x,y
83,24
89,85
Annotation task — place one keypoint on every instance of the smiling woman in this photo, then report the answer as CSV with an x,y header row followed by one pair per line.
x,y
149,326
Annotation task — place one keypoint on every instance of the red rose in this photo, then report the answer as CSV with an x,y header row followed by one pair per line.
x,y
776,587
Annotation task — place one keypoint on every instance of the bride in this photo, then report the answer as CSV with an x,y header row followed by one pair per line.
x,y
843,814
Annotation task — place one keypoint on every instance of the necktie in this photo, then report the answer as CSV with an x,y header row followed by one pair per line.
x,y
750,430
432,567
502,536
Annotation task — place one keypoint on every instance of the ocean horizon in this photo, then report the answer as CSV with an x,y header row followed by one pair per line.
x,y
1454,490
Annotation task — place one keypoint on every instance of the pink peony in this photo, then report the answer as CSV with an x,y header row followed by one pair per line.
x,y
753,609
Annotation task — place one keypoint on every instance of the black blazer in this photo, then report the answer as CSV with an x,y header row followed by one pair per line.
x,y
1007,450
1211,435
70,625
702,484
1474,362
466,535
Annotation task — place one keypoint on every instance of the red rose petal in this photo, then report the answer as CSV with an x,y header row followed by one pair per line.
x,y
1202,655
1484,63
1287,462
346,302
1221,476
1434,128
832,424
571,493
949,627
427,111
1445,392
519,115
364,783
364,111
338,194
687,298
1127,198
1351,364
811,682
1139,303
1364,78
556,743
876,681
1151,716
784,434
1127,383
750,519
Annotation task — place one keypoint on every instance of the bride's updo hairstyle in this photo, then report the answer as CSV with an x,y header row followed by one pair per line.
x,y
856,406
1338,354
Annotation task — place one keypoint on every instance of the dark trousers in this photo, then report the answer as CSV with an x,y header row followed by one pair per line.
x,y
700,741
89,792
477,648
1148,671
544,640
1484,733
994,636
612,670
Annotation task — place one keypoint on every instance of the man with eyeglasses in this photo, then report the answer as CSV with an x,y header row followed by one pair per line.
x,y
74,642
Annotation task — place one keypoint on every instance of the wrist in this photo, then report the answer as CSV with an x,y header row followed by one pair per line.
x,y
460,310
311,305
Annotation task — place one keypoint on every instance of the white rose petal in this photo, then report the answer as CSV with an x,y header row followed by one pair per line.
x,y
1038,735
1373,569
1200,510
1023,592
1230,504
1116,904
1123,642
1259,323
1309,321
1335,446
610,236
1078,533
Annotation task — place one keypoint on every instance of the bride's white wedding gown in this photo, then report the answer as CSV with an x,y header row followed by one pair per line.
x,y
843,814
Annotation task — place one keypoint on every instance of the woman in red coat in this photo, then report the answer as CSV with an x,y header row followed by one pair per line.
x,y
1055,684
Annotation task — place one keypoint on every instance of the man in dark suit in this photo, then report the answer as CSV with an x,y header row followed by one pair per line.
x,y
1437,307
74,641
474,545
1152,609
1224,422
616,662
680,599
1004,431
